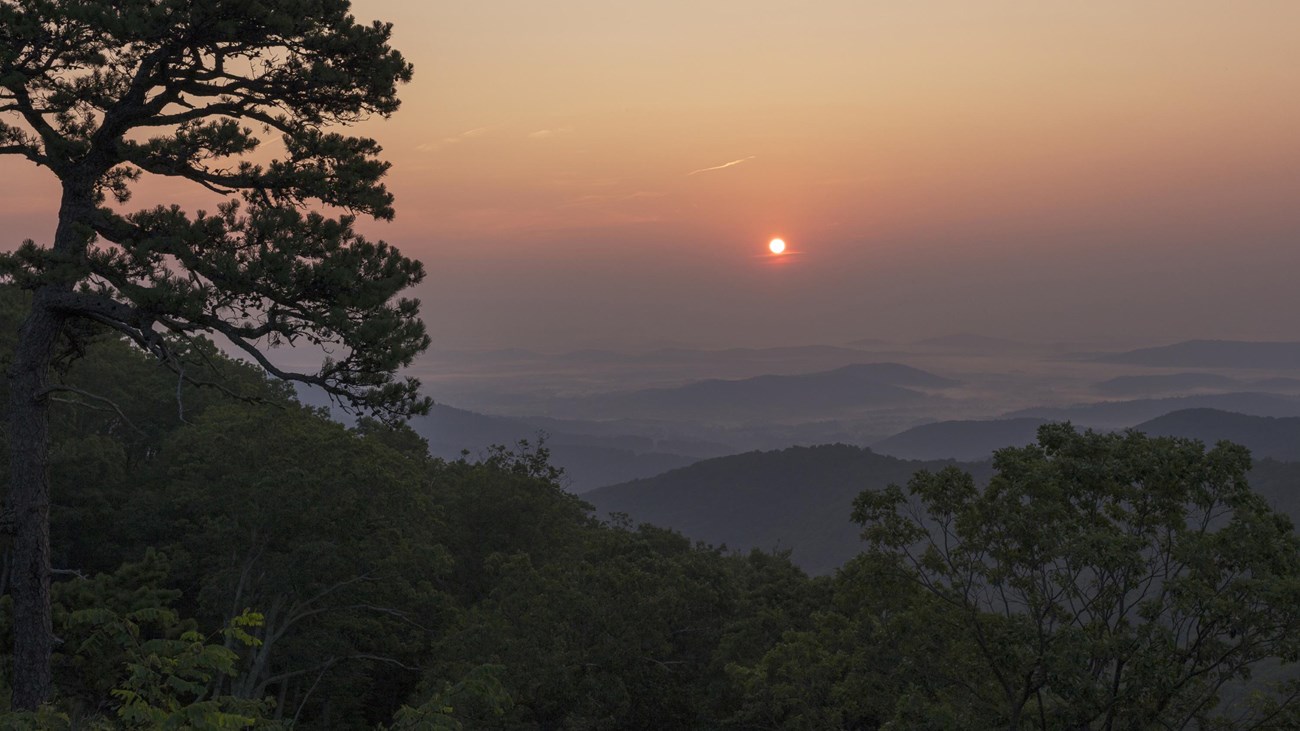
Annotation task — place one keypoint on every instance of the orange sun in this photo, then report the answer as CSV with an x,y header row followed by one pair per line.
x,y
776,246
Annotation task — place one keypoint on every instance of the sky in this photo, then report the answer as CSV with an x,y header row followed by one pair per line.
x,y
595,174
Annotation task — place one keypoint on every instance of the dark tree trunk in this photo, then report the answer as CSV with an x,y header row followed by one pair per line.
x,y
29,499
29,480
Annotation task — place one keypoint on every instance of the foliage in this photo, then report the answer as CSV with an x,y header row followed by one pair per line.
x,y
127,648
391,590
619,636
1100,579
168,680
103,94
327,531
480,694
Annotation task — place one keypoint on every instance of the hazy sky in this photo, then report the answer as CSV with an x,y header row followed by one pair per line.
x,y
597,173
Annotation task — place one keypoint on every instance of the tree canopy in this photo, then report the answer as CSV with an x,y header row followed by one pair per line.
x,y
1098,581
103,94
343,578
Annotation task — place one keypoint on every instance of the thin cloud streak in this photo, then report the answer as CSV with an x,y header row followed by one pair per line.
x,y
723,166
457,139
542,134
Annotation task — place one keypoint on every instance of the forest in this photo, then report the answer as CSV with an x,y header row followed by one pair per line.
x,y
225,564
185,544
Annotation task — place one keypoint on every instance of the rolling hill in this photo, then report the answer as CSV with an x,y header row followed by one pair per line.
x,y
798,498
967,441
1265,436
801,498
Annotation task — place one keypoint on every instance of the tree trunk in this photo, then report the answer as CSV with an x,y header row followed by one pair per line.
x,y
29,456
29,498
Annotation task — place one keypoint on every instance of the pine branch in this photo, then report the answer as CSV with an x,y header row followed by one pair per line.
x,y
110,405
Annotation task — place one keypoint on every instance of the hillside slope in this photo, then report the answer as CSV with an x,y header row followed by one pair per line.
x,y
968,441
799,498
1266,437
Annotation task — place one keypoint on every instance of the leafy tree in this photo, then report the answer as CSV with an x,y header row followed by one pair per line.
x,y
619,636
128,660
329,533
836,653
103,93
479,694
1099,581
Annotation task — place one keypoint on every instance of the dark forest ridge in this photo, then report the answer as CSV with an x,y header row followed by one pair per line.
x,y
1266,437
796,498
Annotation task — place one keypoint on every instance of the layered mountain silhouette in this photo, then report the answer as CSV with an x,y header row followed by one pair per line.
x,y
973,343
1265,437
1165,384
799,498
588,460
1121,414
1213,354
823,394
960,440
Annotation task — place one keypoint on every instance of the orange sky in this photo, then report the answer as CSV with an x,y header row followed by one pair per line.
x,y
1026,169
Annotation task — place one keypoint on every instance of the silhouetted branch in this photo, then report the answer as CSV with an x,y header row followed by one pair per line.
x,y
111,405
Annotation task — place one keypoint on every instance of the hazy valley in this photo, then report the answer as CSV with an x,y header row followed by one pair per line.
x,y
609,416
734,366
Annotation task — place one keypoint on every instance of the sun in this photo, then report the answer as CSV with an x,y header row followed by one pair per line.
x,y
776,246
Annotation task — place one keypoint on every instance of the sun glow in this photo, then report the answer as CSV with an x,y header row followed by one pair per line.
x,y
776,246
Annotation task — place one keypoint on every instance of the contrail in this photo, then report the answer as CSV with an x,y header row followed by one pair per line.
x,y
720,167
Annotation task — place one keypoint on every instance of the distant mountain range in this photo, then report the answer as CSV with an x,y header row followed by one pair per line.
x,y
660,355
799,498
1265,436
1213,354
776,397
1120,414
969,441
1164,384
972,343
588,460
960,440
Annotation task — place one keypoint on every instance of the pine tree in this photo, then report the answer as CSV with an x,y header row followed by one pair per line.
x,y
102,94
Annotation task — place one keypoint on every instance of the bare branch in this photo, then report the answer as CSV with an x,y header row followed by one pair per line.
x,y
111,405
